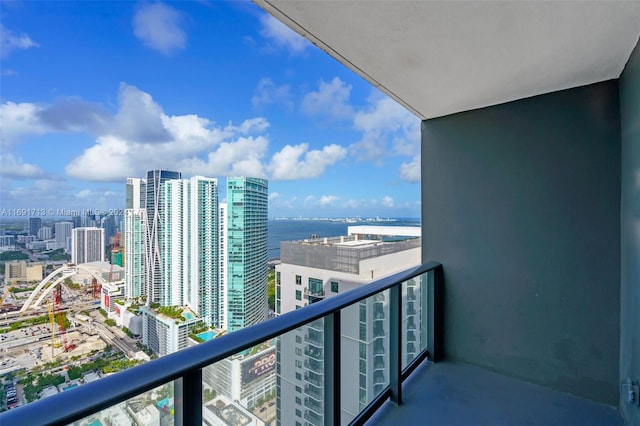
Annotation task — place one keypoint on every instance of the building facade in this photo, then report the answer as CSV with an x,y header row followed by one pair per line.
x,y
247,215
188,244
87,245
245,378
164,334
63,235
154,181
35,223
222,271
316,269
135,238
45,233
7,242
20,270
135,222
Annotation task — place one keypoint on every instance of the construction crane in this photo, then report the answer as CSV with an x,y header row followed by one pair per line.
x,y
57,300
54,343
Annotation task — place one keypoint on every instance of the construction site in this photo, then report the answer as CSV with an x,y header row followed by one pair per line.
x,y
58,326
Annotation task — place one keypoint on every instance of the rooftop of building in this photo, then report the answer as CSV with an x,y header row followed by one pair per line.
x,y
180,313
231,413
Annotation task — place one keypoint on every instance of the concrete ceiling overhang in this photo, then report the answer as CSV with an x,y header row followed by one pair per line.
x,y
442,57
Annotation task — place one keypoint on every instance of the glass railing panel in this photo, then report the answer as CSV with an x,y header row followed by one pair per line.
x,y
154,407
300,376
414,317
241,389
364,347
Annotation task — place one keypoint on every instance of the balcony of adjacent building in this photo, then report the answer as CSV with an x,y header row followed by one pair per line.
x,y
313,405
314,392
314,353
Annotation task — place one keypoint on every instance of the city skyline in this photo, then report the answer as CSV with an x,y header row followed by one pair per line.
x,y
213,89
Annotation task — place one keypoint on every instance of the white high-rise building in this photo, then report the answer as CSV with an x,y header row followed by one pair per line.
x,y
63,234
135,193
188,245
222,272
87,245
316,269
45,233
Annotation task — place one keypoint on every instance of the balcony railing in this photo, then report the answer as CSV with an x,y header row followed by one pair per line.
x,y
184,368
314,292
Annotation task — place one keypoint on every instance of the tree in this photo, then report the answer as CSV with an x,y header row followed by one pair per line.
x,y
271,289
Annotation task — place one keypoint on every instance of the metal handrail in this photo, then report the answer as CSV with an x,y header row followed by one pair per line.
x,y
185,365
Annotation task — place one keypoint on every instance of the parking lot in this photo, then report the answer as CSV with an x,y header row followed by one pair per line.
x,y
12,395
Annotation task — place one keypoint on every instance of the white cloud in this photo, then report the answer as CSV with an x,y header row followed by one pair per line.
x,y
109,160
139,118
14,167
159,27
140,136
10,41
327,200
411,170
352,204
387,201
267,92
19,120
273,196
42,190
84,194
297,162
242,157
281,36
258,124
330,100
387,128
144,137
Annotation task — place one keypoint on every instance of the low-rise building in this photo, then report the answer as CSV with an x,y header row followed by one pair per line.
x,y
20,270
165,333
246,378
222,411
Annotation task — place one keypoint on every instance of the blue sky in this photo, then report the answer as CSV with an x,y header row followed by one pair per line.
x,y
94,92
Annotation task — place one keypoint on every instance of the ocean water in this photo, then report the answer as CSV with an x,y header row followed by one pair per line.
x,y
292,230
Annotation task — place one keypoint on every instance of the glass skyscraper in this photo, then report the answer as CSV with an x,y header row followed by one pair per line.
x,y
153,183
247,215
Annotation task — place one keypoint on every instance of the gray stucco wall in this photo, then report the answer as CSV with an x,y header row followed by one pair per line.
x,y
630,230
521,204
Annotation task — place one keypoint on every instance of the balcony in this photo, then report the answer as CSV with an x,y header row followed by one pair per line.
x,y
183,370
313,353
529,192
316,293
314,379
313,405
314,393
378,332
313,418
314,340
314,366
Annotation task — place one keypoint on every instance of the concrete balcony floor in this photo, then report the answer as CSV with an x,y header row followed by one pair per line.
x,y
458,394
